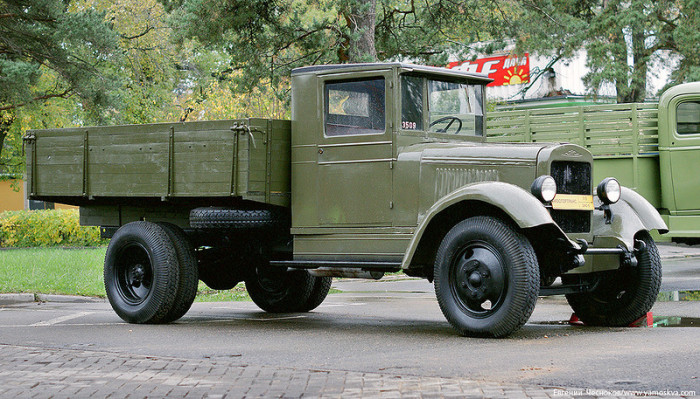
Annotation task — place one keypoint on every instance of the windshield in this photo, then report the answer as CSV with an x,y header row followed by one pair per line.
x,y
455,108
452,107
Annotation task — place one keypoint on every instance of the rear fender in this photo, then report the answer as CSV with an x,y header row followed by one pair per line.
x,y
520,206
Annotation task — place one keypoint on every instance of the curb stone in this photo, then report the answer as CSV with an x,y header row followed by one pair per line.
x,y
67,298
10,299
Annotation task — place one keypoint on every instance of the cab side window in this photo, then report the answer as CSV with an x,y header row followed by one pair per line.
x,y
688,118
355,107
411,102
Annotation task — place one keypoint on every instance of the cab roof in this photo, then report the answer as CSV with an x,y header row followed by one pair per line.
x,y
378,66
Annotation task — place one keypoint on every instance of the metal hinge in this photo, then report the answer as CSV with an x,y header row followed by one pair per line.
x,y
243,128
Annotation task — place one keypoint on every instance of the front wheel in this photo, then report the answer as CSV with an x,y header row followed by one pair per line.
x,y
486,277
622,296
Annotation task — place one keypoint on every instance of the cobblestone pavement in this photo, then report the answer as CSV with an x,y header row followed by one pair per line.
x,y
68,373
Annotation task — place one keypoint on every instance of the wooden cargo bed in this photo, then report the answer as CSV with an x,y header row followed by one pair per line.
x,y
247,159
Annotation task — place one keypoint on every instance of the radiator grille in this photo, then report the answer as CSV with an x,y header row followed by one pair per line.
x,y
572,178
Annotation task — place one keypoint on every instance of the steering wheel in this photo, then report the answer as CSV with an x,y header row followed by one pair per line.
x,y
452,120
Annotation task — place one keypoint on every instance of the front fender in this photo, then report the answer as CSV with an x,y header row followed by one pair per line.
x,y
648,215
630,215
521,206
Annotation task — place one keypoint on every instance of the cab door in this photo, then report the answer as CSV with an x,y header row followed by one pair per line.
x,y
684,149
355,151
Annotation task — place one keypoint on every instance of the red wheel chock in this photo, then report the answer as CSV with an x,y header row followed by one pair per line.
x,y
645,321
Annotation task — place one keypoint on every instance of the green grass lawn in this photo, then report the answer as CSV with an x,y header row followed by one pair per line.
x,y
52,271
73,272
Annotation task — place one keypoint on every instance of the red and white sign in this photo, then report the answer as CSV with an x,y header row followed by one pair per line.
x,y
504,70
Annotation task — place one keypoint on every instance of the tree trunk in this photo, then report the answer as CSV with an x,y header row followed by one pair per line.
x,y
638,82
361,19
3,134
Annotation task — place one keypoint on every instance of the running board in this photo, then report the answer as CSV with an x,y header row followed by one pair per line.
x,y
315,264
563,289
341,268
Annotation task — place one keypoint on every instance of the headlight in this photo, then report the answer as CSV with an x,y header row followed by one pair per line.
x,y
544,188
609,190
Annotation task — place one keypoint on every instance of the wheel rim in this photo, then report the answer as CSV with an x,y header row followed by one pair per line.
x,y
619,288
478,279
134,273
272,281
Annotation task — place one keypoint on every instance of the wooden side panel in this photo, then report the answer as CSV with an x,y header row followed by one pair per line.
x,y
198,159
129,163
59,164
203,162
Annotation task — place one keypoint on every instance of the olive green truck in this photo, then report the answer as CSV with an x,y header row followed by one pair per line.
x,y
382,168
652,148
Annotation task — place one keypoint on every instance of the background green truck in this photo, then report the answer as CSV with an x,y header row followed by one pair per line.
x,y
383,167
653,148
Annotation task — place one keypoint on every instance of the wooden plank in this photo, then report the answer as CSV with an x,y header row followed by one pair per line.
x,y
194,178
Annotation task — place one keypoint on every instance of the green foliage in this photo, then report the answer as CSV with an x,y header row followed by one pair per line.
x,y
265,39
49,53
46,228
39,35
623,38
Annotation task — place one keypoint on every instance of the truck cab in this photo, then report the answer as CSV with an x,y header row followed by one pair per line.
x,y
679,140
383,167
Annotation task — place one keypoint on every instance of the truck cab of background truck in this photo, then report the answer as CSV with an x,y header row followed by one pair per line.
x,y
679,161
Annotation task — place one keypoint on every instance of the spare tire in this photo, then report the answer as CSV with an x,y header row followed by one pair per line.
x,y
238,219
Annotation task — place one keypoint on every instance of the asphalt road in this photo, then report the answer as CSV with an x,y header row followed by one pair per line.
x,y
393,326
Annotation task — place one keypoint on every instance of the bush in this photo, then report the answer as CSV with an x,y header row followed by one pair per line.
x,y
47,228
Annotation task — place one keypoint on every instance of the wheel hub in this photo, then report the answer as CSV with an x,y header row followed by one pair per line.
x,y
136,275
479,277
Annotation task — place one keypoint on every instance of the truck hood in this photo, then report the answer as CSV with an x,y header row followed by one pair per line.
x,y
488,153
445,167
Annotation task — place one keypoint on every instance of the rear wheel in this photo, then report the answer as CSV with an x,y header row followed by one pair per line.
x,y
277,290
141,273
187,288
622,296
486,277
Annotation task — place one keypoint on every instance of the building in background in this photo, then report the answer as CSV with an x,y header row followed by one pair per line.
x,y
530,80
10,199
13,198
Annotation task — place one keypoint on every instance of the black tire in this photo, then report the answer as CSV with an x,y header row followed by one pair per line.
x,y
189,280
622,296
141,273
280,291
237,219
486,277
319,291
